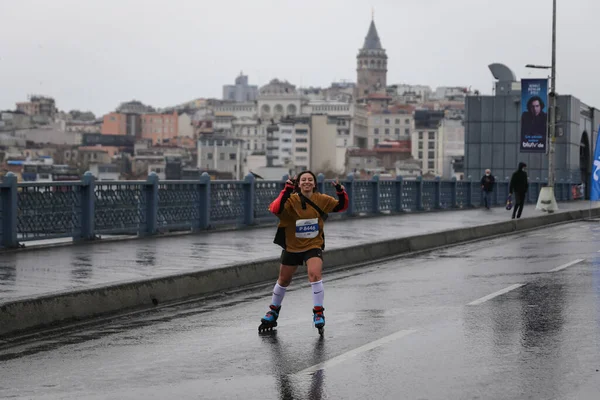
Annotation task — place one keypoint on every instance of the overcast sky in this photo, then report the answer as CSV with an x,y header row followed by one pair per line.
x,y
94,54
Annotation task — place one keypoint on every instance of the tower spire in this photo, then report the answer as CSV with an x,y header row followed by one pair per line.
x,y
372,13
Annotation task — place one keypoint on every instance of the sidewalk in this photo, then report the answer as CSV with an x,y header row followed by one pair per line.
x,y
28,273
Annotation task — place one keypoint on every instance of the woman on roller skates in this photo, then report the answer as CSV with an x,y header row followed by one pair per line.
x,y
302,212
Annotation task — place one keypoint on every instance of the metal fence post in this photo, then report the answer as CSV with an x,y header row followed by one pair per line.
x,y
496,200
349,185
321,183
151,191
9,198
375,191
398,186
437,193
453,195
88,202
249,190
419,204
470,193
204,202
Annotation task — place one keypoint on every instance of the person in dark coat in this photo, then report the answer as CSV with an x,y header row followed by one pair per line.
x,y
487,186
518,187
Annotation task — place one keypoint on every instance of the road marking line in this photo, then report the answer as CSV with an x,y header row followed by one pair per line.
x,y
567,265
352,353
495,294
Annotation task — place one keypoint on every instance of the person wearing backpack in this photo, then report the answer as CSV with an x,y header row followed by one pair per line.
x,y
302,211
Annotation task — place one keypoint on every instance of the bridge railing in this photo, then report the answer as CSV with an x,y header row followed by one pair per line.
x,y
85,209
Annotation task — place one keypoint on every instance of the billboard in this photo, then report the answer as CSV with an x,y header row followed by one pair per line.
x,y
534,115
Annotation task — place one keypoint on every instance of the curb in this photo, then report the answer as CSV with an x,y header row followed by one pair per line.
x,y
19,316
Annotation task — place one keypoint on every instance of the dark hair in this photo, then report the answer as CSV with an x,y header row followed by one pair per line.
x,y
531,100
298,180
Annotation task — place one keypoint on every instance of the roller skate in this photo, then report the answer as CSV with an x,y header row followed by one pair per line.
x,y
319,319
269,321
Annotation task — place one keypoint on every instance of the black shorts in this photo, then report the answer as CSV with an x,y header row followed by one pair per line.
x,y
295,259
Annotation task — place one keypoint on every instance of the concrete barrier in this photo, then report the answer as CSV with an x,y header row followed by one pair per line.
x,y
57,309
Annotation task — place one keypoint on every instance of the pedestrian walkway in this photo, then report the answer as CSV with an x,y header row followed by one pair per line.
x,y
35,272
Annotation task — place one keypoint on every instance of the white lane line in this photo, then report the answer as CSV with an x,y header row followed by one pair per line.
x,y
352,353
495,294
567,265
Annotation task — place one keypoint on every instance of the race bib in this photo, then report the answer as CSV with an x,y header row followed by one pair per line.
x,y
307,228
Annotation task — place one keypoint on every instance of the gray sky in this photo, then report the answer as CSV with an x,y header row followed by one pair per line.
x,y
93,54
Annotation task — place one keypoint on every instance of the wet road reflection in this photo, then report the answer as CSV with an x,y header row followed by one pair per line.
x,y
540,340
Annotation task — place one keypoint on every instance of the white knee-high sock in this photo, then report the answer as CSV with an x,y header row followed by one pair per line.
x,y
278,293
318,293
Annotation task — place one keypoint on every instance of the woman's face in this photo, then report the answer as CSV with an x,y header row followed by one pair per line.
x,y
306,183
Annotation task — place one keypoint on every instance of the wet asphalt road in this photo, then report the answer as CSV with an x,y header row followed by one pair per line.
x,y
44,271
425,327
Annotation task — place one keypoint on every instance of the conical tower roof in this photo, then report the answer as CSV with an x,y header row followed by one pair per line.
x,y
372,41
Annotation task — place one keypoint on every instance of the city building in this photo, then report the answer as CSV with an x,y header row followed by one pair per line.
x,y
451,152
389,124
241,91
223,154
492,134
185,128
160,127
278,99
14,120
117,123
426,144
38,106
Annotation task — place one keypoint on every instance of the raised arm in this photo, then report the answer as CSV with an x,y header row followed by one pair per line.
x,y
278,205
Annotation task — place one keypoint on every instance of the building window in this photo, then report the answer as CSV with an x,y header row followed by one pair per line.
x,y
397,122
387,131
376,142
420,145
431,165
232,156
431,154
431,145
376,131
387,121
407,131
222,156
431,135
420,135
397,131
301,149
301,140
420,155
209,156
407,121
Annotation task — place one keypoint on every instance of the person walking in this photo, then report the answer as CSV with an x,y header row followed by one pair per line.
x,y
302,212
518,186
487,186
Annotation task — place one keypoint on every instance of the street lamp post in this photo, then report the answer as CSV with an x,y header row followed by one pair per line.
x,y
546,200
552,103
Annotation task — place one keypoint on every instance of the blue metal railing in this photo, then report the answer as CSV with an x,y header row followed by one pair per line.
x,y
85,209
